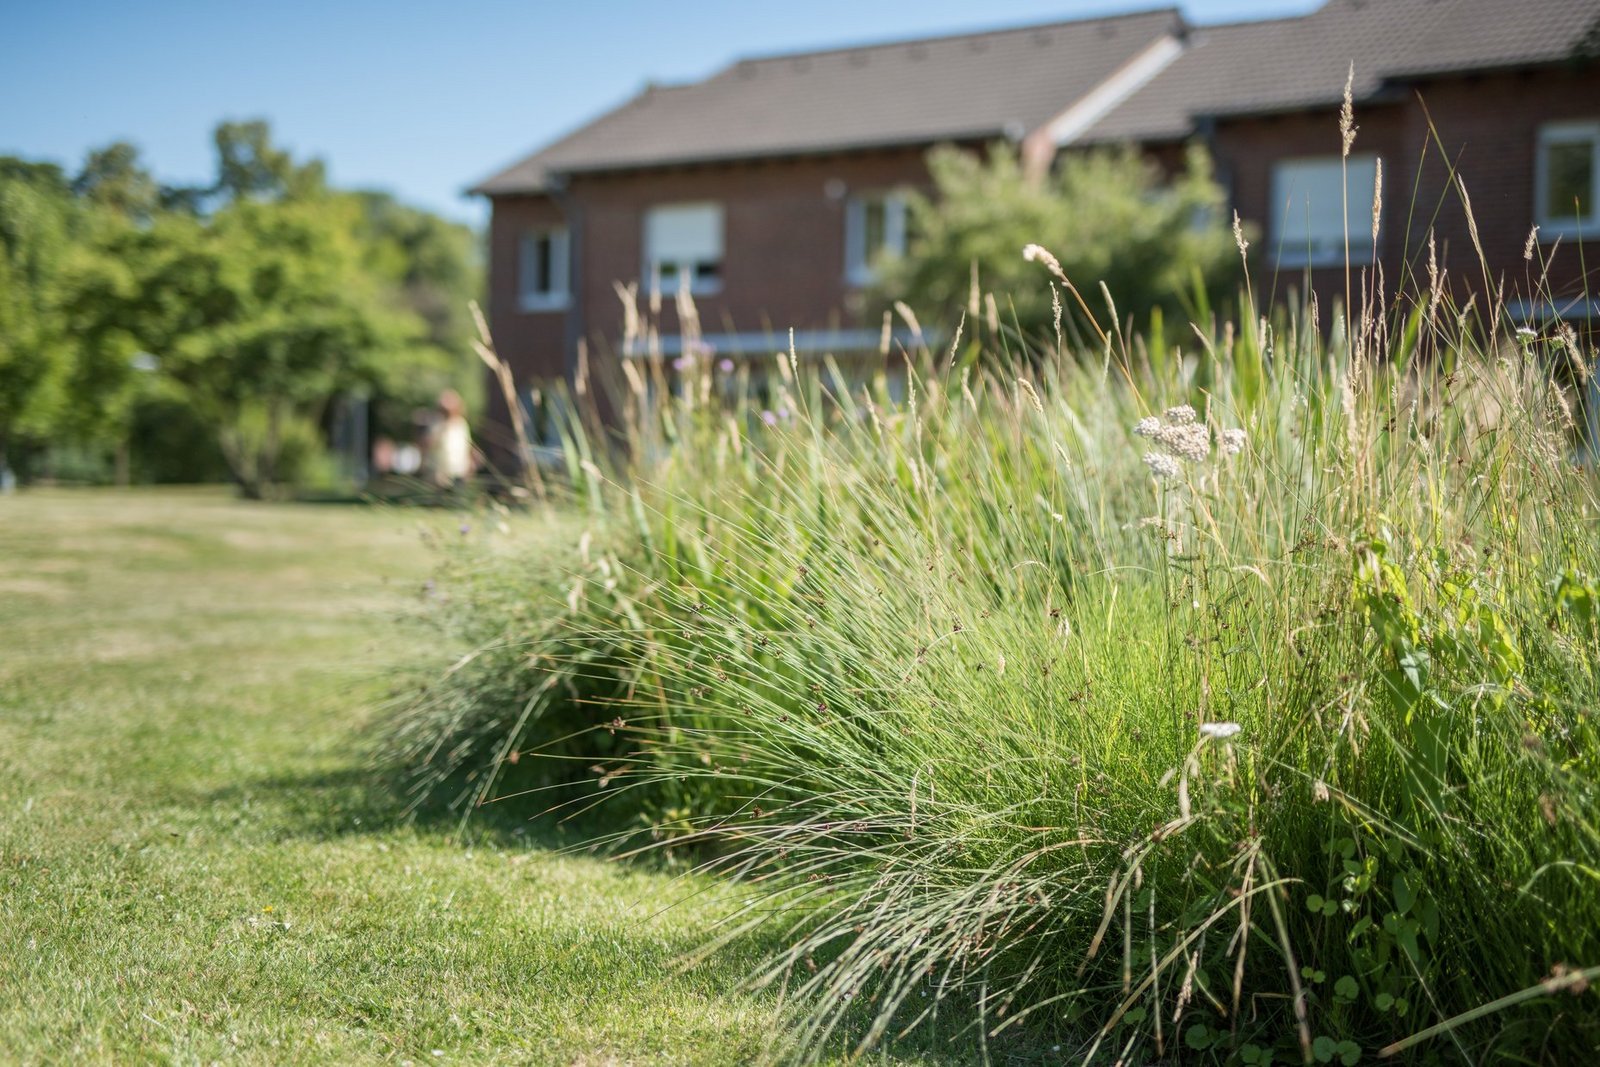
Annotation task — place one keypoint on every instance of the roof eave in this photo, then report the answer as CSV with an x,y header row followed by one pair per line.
x,y
719,158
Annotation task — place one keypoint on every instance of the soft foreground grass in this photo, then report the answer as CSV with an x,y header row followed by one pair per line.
x,y
196,865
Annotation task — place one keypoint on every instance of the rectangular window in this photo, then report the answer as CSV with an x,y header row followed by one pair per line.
x,y
874,226
683,244
1308,201
1568,176
542,266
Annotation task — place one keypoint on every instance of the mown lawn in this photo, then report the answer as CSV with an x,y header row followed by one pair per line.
x,y
197,864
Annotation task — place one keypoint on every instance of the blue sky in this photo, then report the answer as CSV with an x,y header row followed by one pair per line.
x,y
420,99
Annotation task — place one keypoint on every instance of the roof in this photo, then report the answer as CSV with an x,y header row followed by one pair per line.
x,y
1294,63
1003,83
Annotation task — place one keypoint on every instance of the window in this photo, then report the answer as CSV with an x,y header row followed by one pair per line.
x,y
683,242
542,258
1568,175
873,226
1307,196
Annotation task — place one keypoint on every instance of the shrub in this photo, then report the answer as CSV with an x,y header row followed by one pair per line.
x,y
1156,245
1239,706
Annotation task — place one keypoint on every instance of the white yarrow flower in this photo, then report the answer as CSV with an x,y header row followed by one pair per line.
x,y
1182,415
1232,442
1189,441
1163,466
1147,427
1219,730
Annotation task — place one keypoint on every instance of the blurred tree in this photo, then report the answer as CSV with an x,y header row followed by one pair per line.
x,y
1107,216
260,314
249,166
253,301
113,178
433,269
36,211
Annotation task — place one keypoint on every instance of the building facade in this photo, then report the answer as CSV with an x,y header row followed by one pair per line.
x,y
769,188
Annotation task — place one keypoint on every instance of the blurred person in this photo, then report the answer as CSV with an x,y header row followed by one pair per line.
x,y
451,442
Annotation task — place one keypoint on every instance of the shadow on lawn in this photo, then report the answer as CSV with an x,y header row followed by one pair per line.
x,y
361,799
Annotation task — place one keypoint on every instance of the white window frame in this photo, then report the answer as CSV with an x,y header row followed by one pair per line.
x,y
689,267
858,266
1566,133
558,293
1297,252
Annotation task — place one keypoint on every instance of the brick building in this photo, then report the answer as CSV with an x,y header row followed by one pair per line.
x,y
771,186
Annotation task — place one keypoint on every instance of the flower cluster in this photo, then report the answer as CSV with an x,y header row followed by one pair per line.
x,y
1180,437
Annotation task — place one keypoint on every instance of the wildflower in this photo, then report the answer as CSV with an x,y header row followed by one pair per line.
x,y
1188,441
770,418
725,365
1219,730
1232,442
1182,415
1526,334
1147,427
682,363
1163,466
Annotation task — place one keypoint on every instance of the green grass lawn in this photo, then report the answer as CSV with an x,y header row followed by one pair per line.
x,y
196,863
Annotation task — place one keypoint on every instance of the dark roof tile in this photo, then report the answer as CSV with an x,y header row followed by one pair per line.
x,y
1006,82
1287,64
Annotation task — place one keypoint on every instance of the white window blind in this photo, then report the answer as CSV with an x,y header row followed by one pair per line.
x,y
684,241
1308,200
874,226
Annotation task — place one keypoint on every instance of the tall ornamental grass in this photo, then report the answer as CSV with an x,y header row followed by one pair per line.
x,y
1226,705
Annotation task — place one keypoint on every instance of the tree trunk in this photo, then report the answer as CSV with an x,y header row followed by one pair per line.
x,y
239,467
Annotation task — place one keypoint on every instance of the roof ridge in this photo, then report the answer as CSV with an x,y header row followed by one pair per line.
x,y
937,38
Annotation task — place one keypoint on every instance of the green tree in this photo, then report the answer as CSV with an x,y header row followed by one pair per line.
x,y
431,267
112,177
1108,216
250,303
260,314
36,211
250,166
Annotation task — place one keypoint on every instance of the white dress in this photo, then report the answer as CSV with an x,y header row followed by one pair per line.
x,y
454,459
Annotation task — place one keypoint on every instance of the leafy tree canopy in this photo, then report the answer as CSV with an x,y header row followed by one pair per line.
x,y
1109,217
253,300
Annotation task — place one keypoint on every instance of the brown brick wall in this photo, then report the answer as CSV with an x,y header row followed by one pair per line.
x,y
783,262
532,342
1488,125
783,238
1246,150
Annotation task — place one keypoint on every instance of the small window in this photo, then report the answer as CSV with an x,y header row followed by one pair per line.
x,y
1308,204
683,244
874,226
1569,179
542,265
